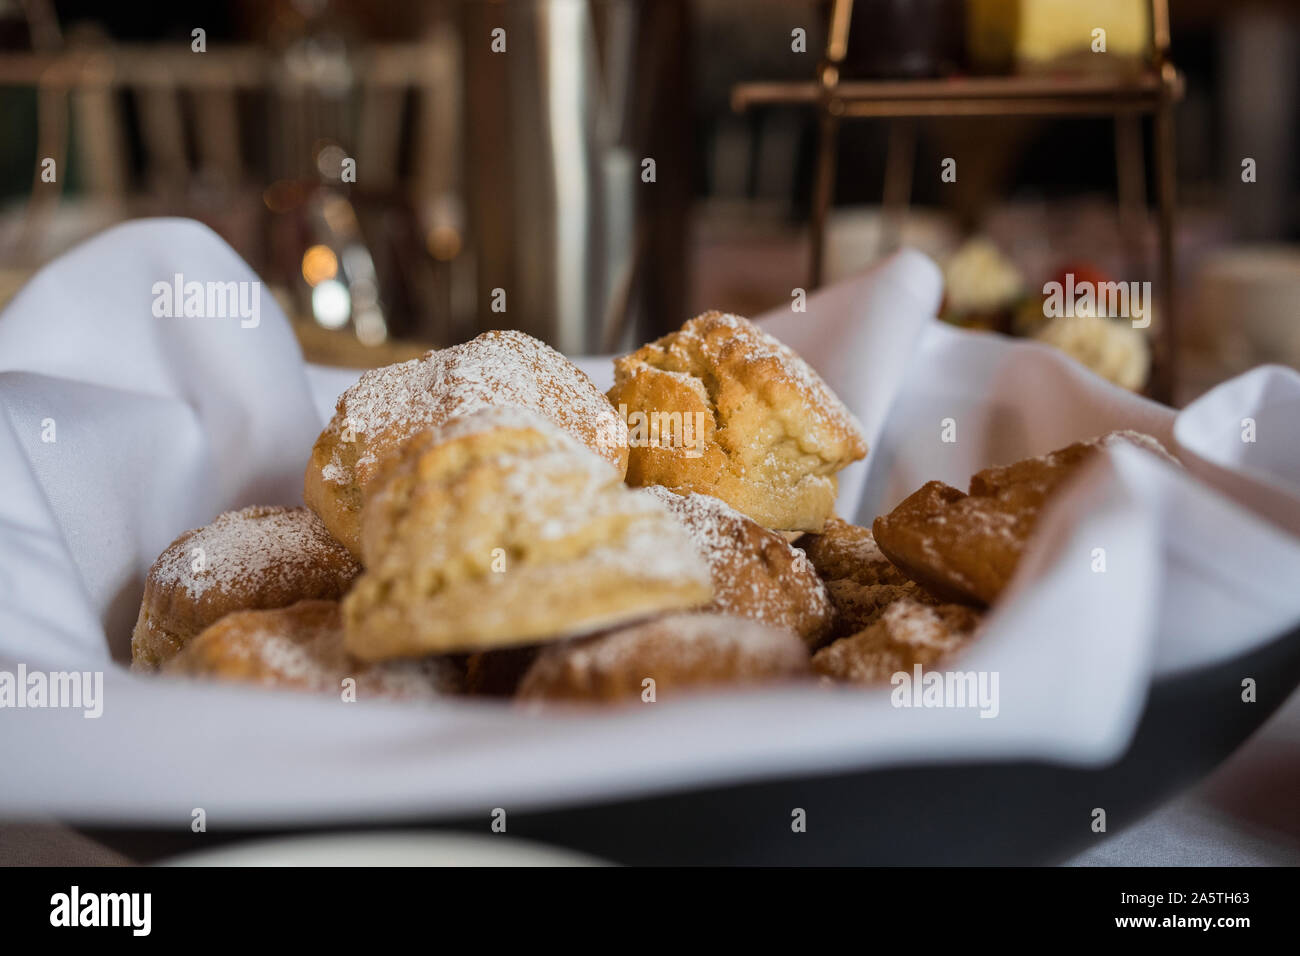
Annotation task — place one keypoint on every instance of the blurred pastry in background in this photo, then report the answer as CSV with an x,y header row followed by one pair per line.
x,y
1092,329
982,287
1112,348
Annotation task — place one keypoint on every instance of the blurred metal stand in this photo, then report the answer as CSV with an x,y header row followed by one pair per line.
x,y
1153,92
563,222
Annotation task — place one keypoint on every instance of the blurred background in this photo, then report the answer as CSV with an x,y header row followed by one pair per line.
x,y
615,166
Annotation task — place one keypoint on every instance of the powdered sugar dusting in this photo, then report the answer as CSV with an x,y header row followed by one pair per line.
x,y
495,369
696,640
923,626
256,549
908,633
756,573
306,651
650,544
508,416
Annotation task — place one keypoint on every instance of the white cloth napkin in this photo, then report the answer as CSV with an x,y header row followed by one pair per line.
x,y
163,422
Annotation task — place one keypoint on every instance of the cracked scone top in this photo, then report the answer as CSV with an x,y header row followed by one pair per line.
x,y
500,529
774,435
389,405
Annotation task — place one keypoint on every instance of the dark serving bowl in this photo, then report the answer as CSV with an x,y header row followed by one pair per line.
x,y
975,813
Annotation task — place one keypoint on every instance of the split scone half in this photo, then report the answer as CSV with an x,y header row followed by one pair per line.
x,y
500,529
721,408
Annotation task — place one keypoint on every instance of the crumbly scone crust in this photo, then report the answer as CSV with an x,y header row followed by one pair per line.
x,y
907,633
756,573
300,647
965,547
774,434
844,551
677,652
861,581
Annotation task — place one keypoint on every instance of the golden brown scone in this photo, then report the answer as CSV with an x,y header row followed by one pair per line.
x,y
773,433
858,606
861,581
958,547
843,551
677,652
499,529
301,647
756,573
908,633
390,405
260,557
965,548
1030,480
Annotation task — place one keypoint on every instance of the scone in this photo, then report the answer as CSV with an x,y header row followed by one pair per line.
x,y
390,405
843,551
497,673
860,580
756,573
908,633
724,409
858,606
500,529
676,653
260,557
965,548
301,647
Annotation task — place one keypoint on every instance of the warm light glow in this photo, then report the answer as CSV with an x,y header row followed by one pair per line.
x,y
283,196
329,162
369,323
331,304
318,264
444,243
